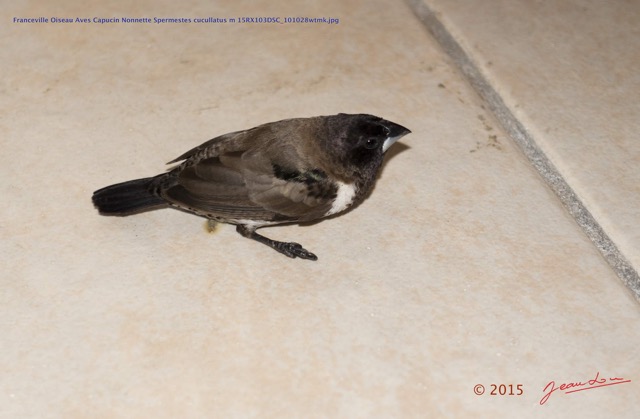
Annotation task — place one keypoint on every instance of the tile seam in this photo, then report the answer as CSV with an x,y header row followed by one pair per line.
x,y
525,141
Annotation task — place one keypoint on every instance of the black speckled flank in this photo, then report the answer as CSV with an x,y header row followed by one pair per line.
x,y
316,180
309,177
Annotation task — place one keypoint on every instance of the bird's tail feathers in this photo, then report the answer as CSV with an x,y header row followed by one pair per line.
x,y
127,198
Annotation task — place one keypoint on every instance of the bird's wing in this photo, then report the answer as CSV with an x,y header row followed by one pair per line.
x,y
251,185
218,145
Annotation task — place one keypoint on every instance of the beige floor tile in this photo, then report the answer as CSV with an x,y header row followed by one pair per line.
x,y
462,268
568,72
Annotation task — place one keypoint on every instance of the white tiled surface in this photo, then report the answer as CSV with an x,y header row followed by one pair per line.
x,y
461,269
568,70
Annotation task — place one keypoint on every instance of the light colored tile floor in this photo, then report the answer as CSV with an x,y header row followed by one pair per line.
x,y
461,269
567,70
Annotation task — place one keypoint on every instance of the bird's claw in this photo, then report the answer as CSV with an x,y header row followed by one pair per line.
x,y
294,250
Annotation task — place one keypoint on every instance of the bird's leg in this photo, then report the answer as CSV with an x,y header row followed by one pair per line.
x,y
287,248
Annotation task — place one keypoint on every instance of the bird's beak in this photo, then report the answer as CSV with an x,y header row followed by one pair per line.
x,y
395,133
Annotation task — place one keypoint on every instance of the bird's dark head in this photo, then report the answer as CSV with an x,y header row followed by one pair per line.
x,y
358,142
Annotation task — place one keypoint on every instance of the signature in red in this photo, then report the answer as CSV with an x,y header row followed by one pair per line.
x,y
597,382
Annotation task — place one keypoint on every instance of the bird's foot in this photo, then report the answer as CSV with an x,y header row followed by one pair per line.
x,y
291,249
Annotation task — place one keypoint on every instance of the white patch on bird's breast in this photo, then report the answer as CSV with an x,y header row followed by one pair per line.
x,y
344,198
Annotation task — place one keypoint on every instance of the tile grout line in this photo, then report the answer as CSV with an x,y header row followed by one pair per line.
x,y
527,144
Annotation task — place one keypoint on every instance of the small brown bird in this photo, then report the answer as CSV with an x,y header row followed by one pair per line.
x,y
289,171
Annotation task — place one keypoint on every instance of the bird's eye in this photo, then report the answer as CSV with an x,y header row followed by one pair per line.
x,y
372,143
